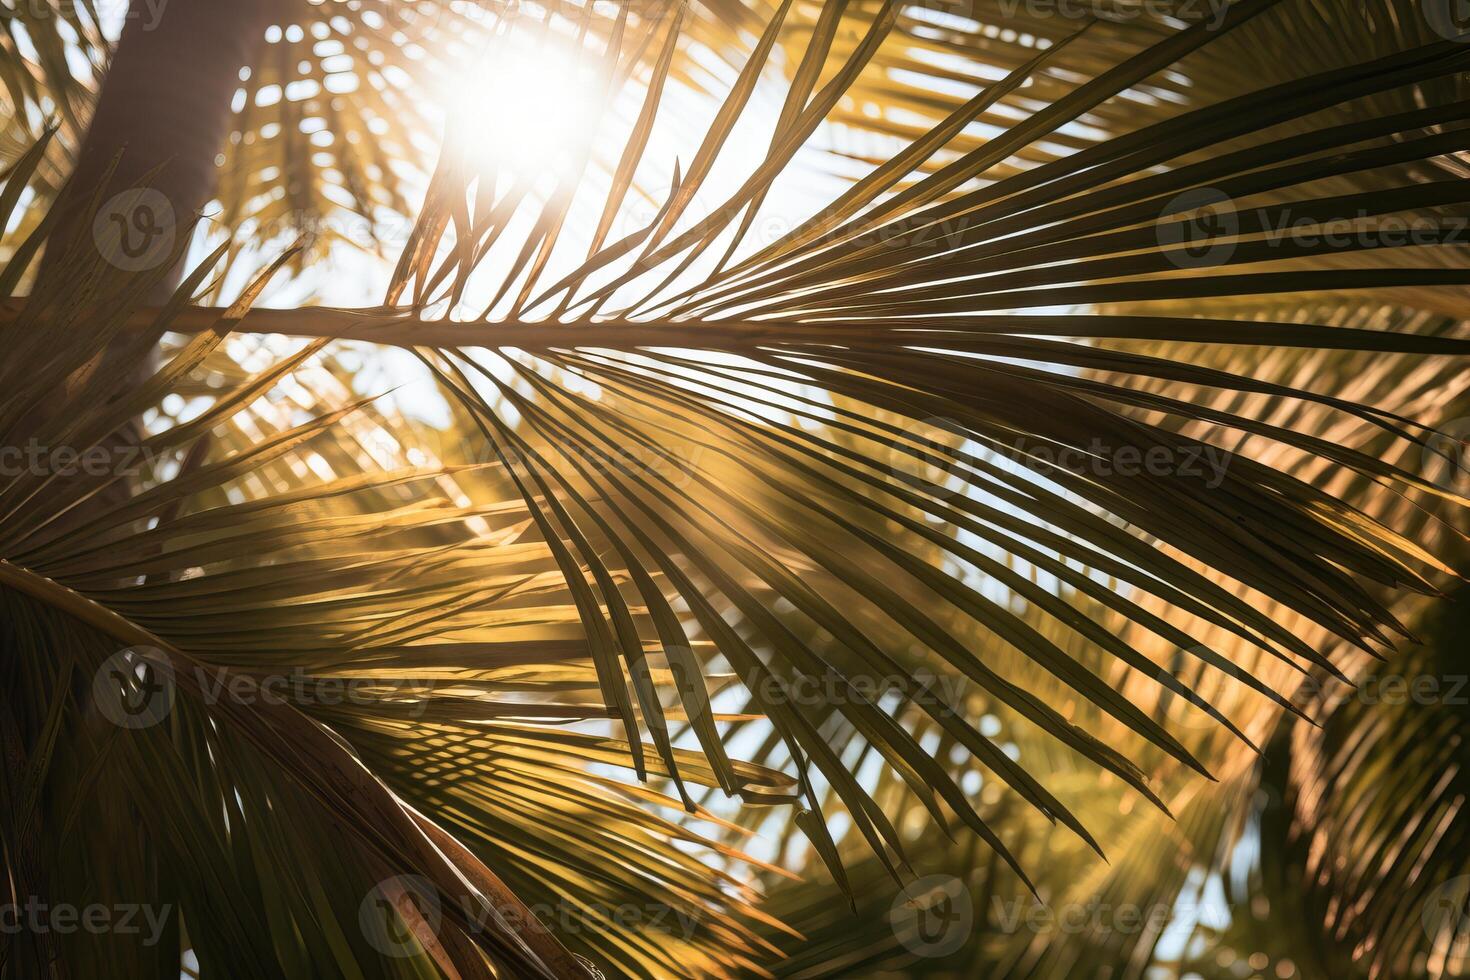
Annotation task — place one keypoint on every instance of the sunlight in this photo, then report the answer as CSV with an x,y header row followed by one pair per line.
x,y
526,105
734,490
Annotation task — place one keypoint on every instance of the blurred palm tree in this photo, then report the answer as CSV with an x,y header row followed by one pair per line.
x,y
1048,457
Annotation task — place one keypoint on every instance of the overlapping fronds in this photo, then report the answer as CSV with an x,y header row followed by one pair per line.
x,y
888,453
1308,861
323,617
1367,856
896,301
339,110
1353,864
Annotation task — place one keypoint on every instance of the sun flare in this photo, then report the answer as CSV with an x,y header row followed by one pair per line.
x,y
524,105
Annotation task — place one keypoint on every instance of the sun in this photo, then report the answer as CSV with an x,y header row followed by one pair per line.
x,y
527,105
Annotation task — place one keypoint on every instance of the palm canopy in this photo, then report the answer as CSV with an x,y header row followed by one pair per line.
x,y
696,472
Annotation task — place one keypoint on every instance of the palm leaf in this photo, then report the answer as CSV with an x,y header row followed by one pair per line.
x,y
851,424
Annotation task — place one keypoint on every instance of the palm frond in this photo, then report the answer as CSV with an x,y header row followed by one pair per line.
x,y
707,474
881,304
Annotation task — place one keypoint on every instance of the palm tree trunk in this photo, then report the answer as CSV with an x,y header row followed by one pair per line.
x,y
165,106
161,120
